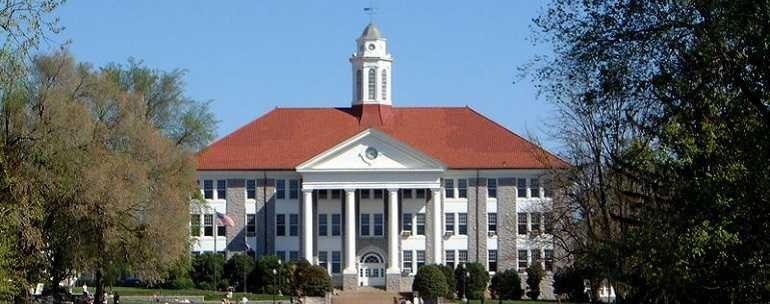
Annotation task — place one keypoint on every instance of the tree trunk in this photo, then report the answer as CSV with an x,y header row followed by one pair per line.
x,y
99,294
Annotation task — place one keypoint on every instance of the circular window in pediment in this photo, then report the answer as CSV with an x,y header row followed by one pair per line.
x,y
371,153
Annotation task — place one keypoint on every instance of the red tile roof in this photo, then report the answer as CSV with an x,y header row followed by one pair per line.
x,y
459,137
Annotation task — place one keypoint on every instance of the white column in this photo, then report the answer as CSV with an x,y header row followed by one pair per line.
x,y
437,217
393,231
350,232
307,226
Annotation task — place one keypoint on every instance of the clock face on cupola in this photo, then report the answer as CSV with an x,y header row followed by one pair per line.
x,y
372,68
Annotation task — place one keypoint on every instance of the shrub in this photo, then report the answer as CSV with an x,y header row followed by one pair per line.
x,y
449,275
261,279
430,282
178,276
479,279
535,274
307,280
237,268
569,282
460,281
506,285
208,270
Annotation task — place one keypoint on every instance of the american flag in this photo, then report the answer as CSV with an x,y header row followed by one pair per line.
x,y
225,220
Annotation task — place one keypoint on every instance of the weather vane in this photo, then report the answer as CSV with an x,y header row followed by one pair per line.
x,y
371,11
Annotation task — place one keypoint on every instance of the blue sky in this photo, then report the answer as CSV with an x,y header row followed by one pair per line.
x,y
249,57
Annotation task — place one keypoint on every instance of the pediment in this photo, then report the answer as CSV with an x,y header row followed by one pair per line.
x,y
371,150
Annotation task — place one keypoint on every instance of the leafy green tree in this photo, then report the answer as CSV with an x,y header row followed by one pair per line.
x,y
664,110
208,270
506,285
535,275
430,282
238,268
569,282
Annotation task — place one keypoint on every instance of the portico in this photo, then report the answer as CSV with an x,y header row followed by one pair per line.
x,y
371,160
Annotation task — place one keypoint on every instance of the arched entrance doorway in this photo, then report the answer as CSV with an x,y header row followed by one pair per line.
x,y
371,270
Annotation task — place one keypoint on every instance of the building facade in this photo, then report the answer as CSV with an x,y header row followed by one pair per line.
x,y
372,192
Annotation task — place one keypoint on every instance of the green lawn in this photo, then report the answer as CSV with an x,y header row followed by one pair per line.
x,y
209,295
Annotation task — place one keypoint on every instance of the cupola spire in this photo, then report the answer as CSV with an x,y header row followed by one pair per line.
x,y
371,66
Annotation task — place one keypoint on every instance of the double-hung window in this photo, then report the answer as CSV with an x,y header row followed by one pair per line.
x,y
323,260
294,224
365,194
523,260
462,188
462,223
521,187
449,257
364,224
293,255
406,193
522,222
449,222
535,221
534,188
548,261
208,189
336,262
336,194
208,225
221,228
281,255
536,256
323,224
492,188
449,188
378,224
378,194
406,261
280,224
548,222
420,219
462,257
336,224
251,225
280,189
492,222
420,259
323,194
492,257
195,224
406,222
251,189
221,189
293,189
419,193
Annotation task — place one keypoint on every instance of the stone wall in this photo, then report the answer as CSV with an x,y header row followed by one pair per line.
x,y
236,209
477,220
506,224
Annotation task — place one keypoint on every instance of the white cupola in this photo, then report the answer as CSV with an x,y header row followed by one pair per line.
x,y
372,72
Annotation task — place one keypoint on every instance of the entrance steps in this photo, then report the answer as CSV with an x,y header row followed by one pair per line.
x,y
366,295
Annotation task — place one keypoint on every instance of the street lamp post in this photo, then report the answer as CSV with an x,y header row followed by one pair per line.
x,y
280,282
275,272
467,277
